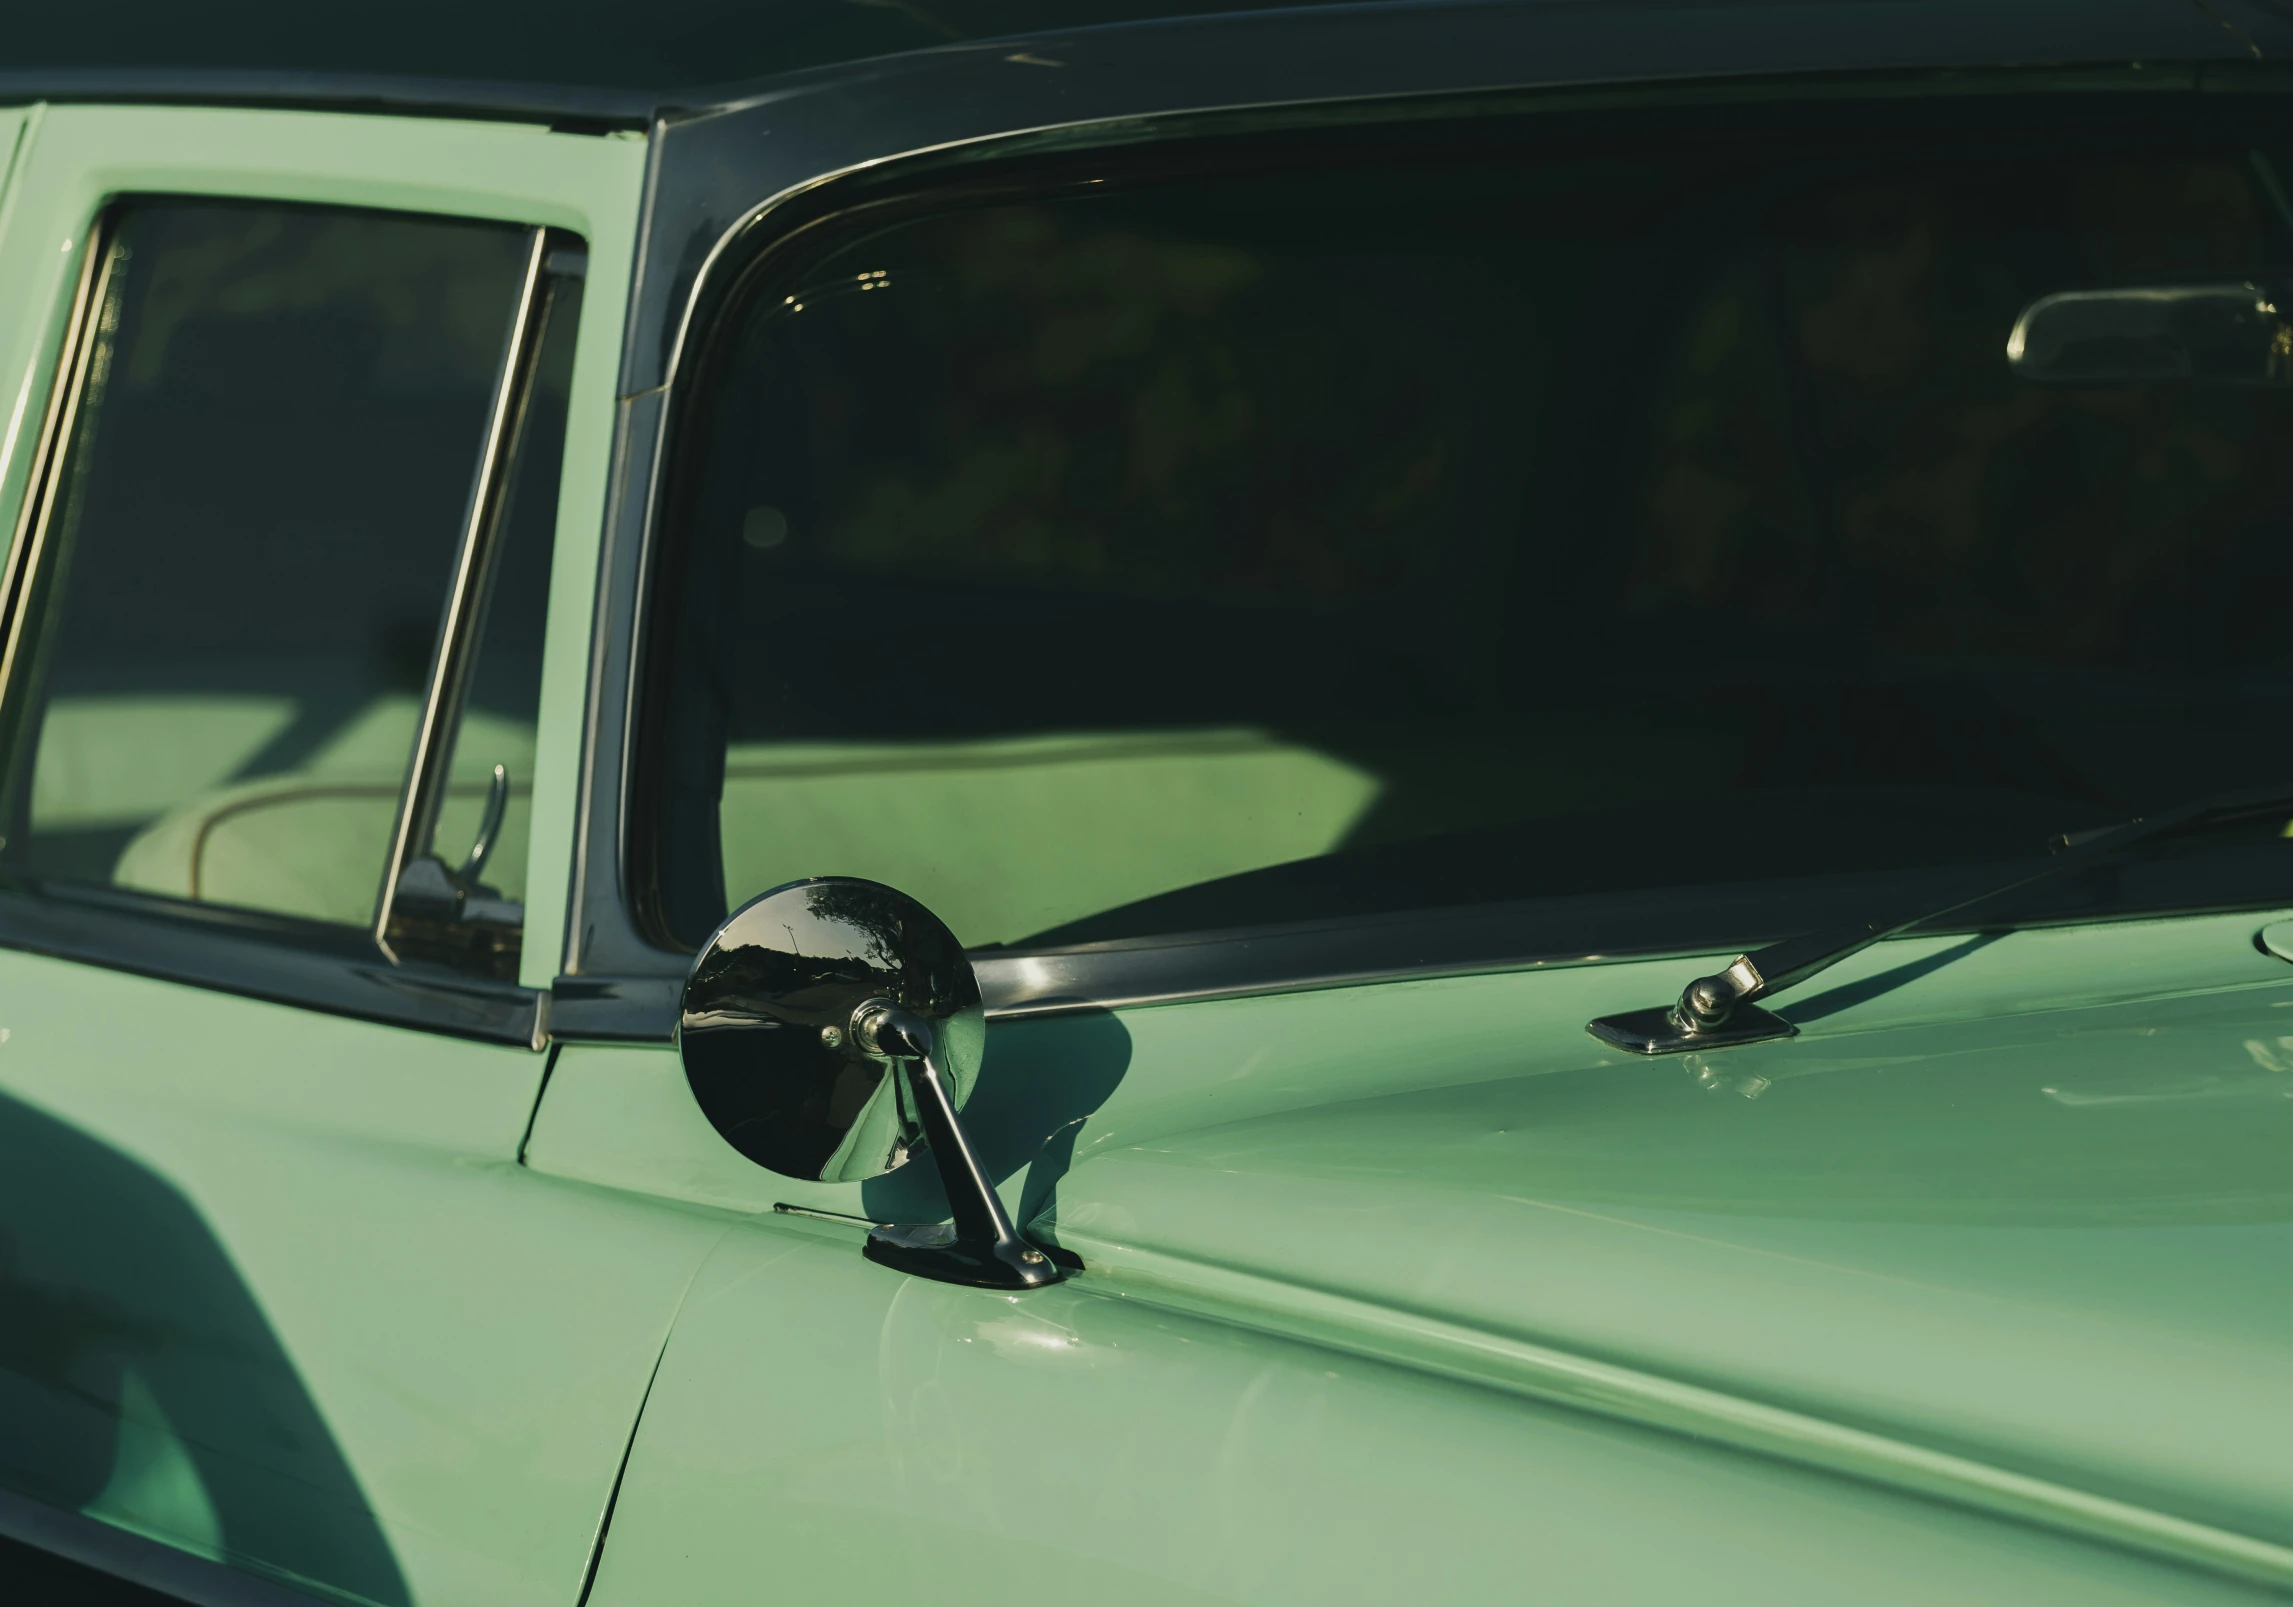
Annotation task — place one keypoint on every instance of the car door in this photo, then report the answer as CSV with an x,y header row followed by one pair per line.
x,y
305,458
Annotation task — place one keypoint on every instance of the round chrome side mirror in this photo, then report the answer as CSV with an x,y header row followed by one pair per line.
x,y
829,1028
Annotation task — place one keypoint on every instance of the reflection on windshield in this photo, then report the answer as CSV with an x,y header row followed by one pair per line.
x,y
1555,511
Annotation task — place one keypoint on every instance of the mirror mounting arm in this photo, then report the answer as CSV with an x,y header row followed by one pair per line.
x,y
980,1247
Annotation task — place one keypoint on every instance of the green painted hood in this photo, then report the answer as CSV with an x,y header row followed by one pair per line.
x,y
2026,1200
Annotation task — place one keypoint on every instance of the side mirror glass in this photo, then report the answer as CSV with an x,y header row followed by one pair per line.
x,y
832,1026
2230,334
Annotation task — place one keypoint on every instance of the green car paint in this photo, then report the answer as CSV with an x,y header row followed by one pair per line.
x,y
1396,1291
374,1350
338,1336
2002,1227
828,1434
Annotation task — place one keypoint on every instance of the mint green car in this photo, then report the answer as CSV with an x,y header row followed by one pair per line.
x,y
1352,804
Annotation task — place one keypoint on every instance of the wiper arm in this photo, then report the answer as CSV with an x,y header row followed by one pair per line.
x,y
1715,1012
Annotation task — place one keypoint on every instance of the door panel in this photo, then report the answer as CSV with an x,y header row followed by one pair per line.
x,y
279,1292
274,1287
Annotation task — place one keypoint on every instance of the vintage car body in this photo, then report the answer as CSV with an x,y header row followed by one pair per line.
x,y
328,1277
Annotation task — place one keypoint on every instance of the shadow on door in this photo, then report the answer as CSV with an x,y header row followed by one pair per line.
x,y
140,1382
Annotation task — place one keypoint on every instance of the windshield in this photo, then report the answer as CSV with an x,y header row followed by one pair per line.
x,y
1540,511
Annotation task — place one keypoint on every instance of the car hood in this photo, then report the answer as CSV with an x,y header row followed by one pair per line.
x,y
2025,1201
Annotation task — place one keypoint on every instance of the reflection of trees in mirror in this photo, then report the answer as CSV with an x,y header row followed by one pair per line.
x,y
756,980
862,908
754,977
1040,1081
139,1380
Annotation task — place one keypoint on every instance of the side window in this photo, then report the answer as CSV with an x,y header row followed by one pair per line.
x,y
231,622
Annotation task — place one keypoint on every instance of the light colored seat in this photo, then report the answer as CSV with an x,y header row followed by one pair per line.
x,y
1007,837
310,842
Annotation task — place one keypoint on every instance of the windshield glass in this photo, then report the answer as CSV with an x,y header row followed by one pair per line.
x,y
1550,510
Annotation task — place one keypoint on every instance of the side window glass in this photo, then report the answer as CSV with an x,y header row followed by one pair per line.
x,y
234,599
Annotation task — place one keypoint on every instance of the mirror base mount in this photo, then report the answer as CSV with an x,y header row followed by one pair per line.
x,y
978,1246
939,1252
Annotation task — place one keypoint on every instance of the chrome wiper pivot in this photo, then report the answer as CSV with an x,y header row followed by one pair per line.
x,y
1721,1010
1717,1011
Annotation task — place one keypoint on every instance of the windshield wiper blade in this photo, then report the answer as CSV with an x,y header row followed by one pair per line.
x,y
1718,1011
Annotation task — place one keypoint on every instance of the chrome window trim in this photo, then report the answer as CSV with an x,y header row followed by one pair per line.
x,y
566,108
720,177
42,485
455,654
